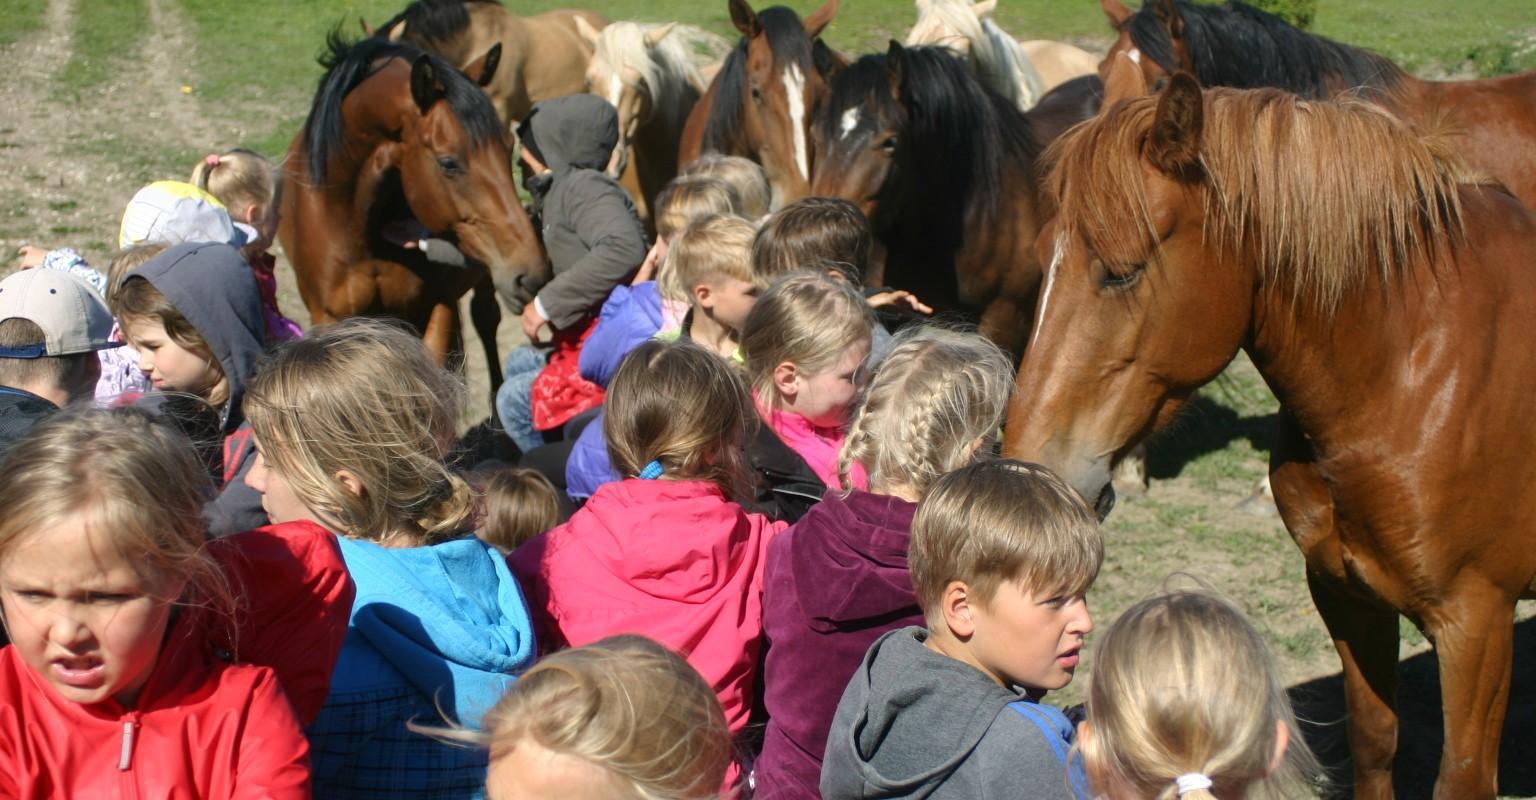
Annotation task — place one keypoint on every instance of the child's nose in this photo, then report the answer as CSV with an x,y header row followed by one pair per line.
x,y
1084,622
69,631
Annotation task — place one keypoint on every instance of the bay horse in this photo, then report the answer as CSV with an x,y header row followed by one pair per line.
x,y
542,55
1020,71
1236,45
1388,304
395,133
760,103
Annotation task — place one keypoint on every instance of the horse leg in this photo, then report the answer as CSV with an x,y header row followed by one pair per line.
x,y
1474,639
1363,632
485,314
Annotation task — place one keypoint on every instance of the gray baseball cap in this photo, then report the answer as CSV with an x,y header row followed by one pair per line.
x,y
73,317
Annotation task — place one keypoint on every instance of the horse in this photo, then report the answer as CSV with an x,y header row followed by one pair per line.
x,y
543,56
1236,45
1383,299
760,103
1021,72
395,133
646,72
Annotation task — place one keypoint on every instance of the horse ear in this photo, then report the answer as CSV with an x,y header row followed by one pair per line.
x,y
744,18
1173,143
820,19
588,33
483,69
1117,13
1167,12
895,66
984,8
426,89
1125,81
654,36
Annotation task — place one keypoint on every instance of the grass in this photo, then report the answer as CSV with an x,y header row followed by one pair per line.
x,y
107,32
19,18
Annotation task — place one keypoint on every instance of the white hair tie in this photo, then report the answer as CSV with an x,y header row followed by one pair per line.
x,y
1193,782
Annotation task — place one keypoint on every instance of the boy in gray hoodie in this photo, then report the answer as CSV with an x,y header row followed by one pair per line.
x,y
1001,556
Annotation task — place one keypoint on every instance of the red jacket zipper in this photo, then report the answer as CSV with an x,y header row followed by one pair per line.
x,y
126,782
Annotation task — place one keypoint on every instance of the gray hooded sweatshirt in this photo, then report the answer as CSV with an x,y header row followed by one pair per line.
x,y
916,723
591,231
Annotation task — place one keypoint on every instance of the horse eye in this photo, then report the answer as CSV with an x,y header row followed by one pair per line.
x,y
1120,276
757,96
889,145
449,165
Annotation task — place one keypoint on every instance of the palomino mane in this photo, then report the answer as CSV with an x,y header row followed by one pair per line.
x,y
1240,46
666,69
1000,62
348,64
787,39
434,24
962,135
1321,194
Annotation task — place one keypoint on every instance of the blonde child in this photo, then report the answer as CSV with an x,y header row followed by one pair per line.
x,y
668,552
744,175
621,717
108,685
519,505
353,424
250,187
1001,556
805,339
837,580
1184,703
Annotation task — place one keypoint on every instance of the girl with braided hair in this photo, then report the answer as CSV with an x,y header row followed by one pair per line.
x,y
838,579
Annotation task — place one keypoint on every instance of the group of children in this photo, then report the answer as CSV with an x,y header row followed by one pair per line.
x,y
770,553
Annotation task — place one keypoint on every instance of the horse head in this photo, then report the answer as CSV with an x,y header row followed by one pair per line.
x,y
623,71
860,135
1153,39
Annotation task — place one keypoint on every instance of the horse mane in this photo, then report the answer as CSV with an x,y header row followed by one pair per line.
x,y
666,68
434,24
1320,193
1240,46
348,64
1000,62
787,39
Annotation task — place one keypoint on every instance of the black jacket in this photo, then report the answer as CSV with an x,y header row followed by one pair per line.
x,y
19,411
787,487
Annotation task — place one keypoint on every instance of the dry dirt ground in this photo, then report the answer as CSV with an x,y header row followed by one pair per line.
x,y
64,180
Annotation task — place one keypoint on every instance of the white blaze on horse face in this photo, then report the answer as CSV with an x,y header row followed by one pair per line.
x,y
850,121
1134,54
1058,251
794,89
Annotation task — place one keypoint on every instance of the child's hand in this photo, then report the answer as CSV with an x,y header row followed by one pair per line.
x,y
899,298
31,255
652,262
532,321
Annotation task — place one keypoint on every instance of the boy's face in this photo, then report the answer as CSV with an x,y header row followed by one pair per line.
x,y
170,366
1024,640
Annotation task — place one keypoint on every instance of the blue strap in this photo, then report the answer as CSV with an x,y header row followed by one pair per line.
x,y
1059,734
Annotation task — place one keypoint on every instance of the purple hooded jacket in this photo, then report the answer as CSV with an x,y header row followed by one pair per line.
x,y
835,583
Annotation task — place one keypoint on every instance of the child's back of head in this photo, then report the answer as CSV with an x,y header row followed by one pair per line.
x,y
519,505
744,175
813,232
248,184
688,197
1184,702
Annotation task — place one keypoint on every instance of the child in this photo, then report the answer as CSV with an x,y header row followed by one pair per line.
x,y
838,579
193,313
108,687
594,240
519,505
804,340
621,717
667,553
249,186
1184,701
353,423
682,201
711,260
1001,555
744,175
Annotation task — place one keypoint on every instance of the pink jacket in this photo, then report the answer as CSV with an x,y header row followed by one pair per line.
x,y
672,560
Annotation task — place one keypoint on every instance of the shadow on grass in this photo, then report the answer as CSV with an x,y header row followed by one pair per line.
x,y
1321,703
1204,426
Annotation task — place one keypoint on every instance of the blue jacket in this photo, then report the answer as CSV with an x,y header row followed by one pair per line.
x,y
440,627
631,315
588,466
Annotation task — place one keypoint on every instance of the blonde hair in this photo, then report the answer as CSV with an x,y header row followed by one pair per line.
x,y
743,174
1182,683
519,505
127,260
1002,521
129,474
685,408
710,248
809,319
933,405
238,178
812,232
625,704
689,197
363,395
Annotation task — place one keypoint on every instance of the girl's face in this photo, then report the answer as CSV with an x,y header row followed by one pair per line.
x,y
278,498
80,615
170,366
823,397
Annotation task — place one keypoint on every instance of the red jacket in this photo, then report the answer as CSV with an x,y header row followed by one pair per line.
x,y
672,560
202,730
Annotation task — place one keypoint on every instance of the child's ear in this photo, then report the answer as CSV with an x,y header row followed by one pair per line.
x,y
702,296
956,603
255,213
786,379
1282,741
349,481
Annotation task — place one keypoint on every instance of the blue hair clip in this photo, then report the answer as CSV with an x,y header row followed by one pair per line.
x,y
651,472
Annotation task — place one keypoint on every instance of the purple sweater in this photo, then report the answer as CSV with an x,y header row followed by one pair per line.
x,y
835,582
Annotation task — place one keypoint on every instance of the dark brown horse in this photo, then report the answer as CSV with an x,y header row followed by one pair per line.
x,y
395,133
1388,304
1242,47
761,101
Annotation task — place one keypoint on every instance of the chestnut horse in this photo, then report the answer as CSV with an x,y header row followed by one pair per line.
x,y
1242,47
395,133
1388,304
761,101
